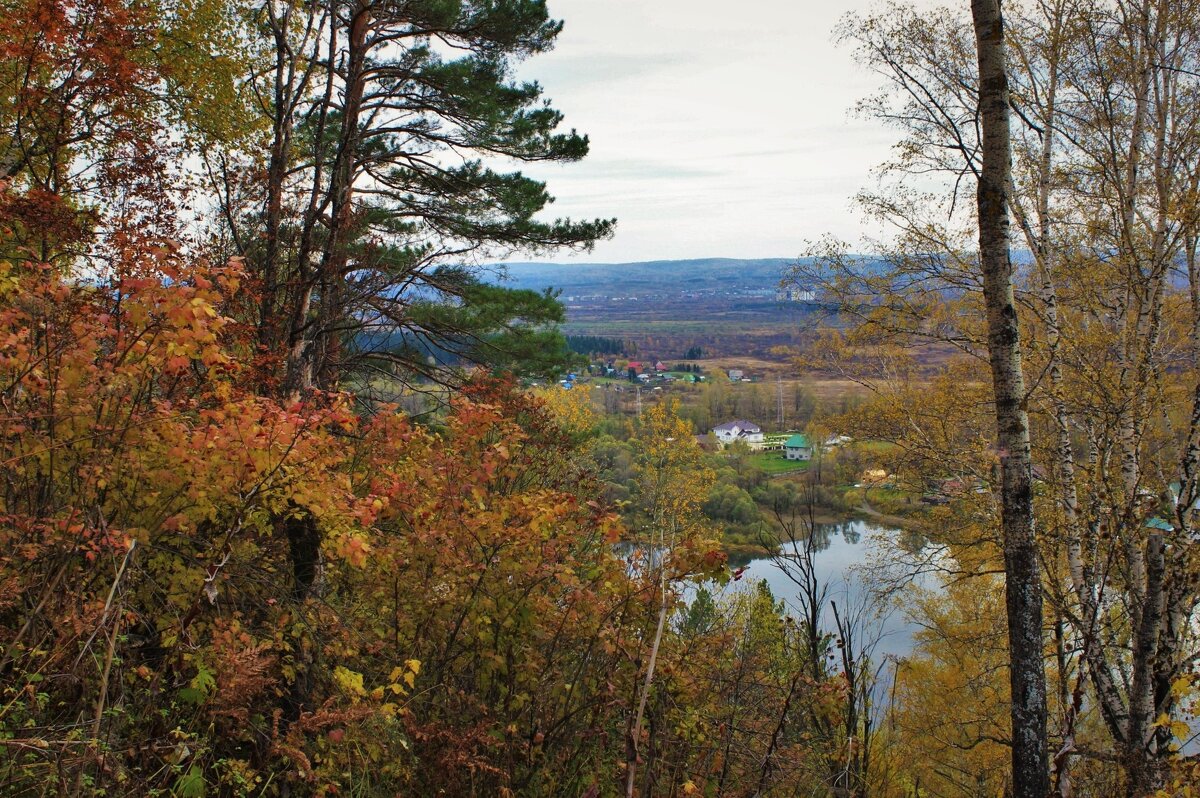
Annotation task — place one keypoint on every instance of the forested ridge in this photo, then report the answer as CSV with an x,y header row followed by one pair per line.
x,y
233,233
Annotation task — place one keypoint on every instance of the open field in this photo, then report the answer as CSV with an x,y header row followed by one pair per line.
x,y
670,338
774,463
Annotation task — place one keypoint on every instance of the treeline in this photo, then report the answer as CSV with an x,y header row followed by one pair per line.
x,y
717,401
743,504
600,345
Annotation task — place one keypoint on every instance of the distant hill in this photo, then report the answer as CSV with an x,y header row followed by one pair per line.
x,y
700,274
656,276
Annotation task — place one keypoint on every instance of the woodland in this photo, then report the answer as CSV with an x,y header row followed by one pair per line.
x,y
232,231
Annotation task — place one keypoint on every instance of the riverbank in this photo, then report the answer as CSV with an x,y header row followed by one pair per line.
x,y
866,512
777,536
842,557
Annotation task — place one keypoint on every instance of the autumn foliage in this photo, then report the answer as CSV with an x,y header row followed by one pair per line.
x,y
205,588
230,566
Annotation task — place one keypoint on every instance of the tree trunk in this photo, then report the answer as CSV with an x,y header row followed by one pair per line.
x,y
304,547
636,729
298,371
1023,588
326,359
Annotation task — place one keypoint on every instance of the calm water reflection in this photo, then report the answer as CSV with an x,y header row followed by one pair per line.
x,y
846,555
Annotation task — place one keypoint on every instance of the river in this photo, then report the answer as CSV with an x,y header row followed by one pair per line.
x,y
847,559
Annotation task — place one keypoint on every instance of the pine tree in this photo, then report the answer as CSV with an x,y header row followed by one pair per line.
x,y
378,202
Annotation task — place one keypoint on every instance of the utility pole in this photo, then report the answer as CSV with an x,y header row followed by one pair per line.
x,y
638,390
779,402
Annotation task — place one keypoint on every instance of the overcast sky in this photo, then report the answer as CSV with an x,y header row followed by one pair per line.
x,y
717,129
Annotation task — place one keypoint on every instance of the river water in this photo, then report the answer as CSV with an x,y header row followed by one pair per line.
x,y
850,557
853,557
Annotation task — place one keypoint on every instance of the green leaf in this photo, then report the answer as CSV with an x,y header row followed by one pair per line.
x,y
190,784
204,680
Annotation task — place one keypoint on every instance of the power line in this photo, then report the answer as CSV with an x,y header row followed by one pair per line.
x,y
779,403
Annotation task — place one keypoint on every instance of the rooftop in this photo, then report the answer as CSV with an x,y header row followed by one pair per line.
x,y
737,424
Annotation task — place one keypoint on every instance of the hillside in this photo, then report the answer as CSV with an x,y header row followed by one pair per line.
x,y
724,306
701,274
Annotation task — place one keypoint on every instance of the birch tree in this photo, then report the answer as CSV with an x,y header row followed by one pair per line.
x,y
672,482
1022,571
1103,199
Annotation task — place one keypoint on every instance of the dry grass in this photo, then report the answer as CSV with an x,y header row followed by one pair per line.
x,y
824,387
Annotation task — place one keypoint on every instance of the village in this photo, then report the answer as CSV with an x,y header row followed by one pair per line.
x,y
792,446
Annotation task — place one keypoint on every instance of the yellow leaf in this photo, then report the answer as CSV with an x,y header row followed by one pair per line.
x,y
350,681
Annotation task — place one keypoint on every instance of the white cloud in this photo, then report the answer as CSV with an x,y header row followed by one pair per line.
x,y
717,129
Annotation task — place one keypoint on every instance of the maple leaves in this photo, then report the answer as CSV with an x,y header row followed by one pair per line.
x,y
125,423
132,448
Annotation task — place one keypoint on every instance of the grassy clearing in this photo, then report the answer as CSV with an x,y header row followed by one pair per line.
x,y
876,447
776,463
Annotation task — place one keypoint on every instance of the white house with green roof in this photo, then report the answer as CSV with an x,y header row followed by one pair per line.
x,y
797,447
